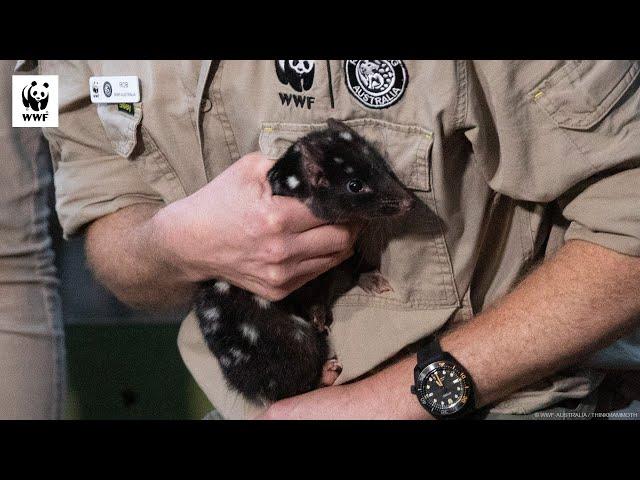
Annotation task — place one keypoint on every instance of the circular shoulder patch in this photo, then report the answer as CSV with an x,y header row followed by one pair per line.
x,y
376,83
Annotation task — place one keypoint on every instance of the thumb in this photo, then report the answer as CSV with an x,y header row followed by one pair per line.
x,y
261,163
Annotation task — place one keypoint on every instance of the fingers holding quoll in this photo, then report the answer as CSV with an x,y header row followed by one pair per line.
x,y
323,240
316,266
295,215
293,245
279,281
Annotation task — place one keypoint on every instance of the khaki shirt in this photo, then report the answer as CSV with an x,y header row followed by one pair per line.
x,y
510,159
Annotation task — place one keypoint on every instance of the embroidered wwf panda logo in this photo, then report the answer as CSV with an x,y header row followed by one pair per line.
x,y
35,97
297,73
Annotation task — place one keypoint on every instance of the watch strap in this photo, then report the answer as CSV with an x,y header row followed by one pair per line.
x,y
431,352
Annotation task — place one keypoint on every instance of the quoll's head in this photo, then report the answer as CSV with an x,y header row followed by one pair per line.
x,y
343,175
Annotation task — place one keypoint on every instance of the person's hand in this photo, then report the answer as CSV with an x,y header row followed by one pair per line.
x,y
234,229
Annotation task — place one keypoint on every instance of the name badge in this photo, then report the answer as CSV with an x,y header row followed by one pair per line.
x,y
124,89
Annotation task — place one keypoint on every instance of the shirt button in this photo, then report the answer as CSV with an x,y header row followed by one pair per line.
x,y
205,105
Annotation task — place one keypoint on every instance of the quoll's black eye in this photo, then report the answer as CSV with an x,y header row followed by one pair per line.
x,y
355,185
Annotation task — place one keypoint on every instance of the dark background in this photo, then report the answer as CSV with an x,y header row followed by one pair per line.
x,y
121,363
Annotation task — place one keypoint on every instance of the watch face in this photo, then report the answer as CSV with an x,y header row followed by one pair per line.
x,y
443,388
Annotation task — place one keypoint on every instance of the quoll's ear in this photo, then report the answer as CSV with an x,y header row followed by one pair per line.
x,y
311,164
276,177
340,127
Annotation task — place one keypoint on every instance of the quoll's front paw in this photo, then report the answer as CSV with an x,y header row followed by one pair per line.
x,y
321,317
374,282
330,372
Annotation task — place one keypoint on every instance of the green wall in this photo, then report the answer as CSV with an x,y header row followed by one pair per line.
x,y
129,372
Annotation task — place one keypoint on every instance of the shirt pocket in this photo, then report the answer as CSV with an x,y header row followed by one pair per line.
x,y
414,258
589,104
407,147
579,95
131,140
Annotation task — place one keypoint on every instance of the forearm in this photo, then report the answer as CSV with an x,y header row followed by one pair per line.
x,y
572,305
231,229
126,254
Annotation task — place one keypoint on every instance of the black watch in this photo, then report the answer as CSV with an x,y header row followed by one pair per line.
x,y
443,387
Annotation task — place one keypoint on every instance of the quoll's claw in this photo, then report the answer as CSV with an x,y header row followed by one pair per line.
x,y
374,282
321,318
330,372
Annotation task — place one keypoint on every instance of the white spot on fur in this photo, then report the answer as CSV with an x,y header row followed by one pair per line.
x,y
238,355
348,169
250,333
296,148
211,327
272,384
346,136
293,182
263,302
224,361
212,314
300,321
303,325
338,160
222,287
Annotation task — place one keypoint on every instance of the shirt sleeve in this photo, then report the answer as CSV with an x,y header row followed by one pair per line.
x,y
563,131
91,179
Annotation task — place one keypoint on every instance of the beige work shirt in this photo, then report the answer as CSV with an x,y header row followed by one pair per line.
x,y
510,159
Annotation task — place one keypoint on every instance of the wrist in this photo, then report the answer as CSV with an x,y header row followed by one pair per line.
x,y
388,394
167,245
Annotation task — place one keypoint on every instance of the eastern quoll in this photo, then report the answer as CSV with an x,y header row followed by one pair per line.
x,y
271,350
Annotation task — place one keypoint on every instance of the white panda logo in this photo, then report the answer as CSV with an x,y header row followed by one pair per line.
x,y
297,73
35,97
